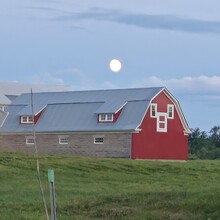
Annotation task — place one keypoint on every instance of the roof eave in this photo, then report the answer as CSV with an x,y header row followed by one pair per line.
x,y
179,111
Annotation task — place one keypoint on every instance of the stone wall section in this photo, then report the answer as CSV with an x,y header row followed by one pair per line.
x,y
115,144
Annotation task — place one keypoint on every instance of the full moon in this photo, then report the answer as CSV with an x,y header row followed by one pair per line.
x,y
115,65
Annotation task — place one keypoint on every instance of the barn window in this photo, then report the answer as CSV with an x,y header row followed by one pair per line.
x,y
153,110
98,140
106,117
102,117
162,122
109,117
30,140
2,107
63,140
26,119
170,111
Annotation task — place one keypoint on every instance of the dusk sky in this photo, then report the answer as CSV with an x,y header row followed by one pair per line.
x,y
159,43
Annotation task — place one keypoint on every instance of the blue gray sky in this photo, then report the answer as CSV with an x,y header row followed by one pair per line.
x,y
160,43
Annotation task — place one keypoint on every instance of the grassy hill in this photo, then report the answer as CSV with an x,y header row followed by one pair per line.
x,y
94,188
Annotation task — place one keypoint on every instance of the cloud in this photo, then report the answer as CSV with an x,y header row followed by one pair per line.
x,y
58,77
147,21
47,9
47,78
200,85
69,71
78,79
108,85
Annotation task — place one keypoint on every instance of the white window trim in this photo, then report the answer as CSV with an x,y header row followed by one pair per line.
x,y
95,140
28,119
2,107
151,108
106,117
30,138
172,107
62,138
159,122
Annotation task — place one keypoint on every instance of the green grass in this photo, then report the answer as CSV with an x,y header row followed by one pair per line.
x,y
97,188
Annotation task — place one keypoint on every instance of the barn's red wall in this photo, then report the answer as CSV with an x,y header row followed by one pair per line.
x,y
150,144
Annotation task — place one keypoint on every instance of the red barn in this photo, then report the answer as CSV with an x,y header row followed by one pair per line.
x,y
141,123
163,130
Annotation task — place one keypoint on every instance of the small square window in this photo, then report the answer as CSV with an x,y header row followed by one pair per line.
x,y
109,117
30,140
2,107
162,118
162,125
30,119
24,119
102,117
63,140
98,140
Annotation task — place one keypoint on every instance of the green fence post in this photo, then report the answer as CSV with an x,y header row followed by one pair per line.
x,y
52,193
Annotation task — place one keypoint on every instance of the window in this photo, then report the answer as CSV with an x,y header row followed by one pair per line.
x,y
109,117
2,107
26,119
170,111
63,140
153,110
98,140
102,117
30,140
105,117
162,122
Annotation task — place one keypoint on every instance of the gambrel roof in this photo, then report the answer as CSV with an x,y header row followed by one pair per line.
x,y
77,111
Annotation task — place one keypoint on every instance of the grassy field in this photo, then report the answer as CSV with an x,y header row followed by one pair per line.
x,y
94,188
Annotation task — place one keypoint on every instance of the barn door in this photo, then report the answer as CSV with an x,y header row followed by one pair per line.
x,y
161,122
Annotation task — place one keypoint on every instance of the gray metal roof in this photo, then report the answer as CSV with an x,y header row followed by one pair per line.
x,y
81,117
112,99
3,116
77,110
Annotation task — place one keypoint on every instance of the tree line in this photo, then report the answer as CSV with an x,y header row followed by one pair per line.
x,y
204,145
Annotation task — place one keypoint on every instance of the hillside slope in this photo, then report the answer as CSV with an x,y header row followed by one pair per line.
x,y
94,188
